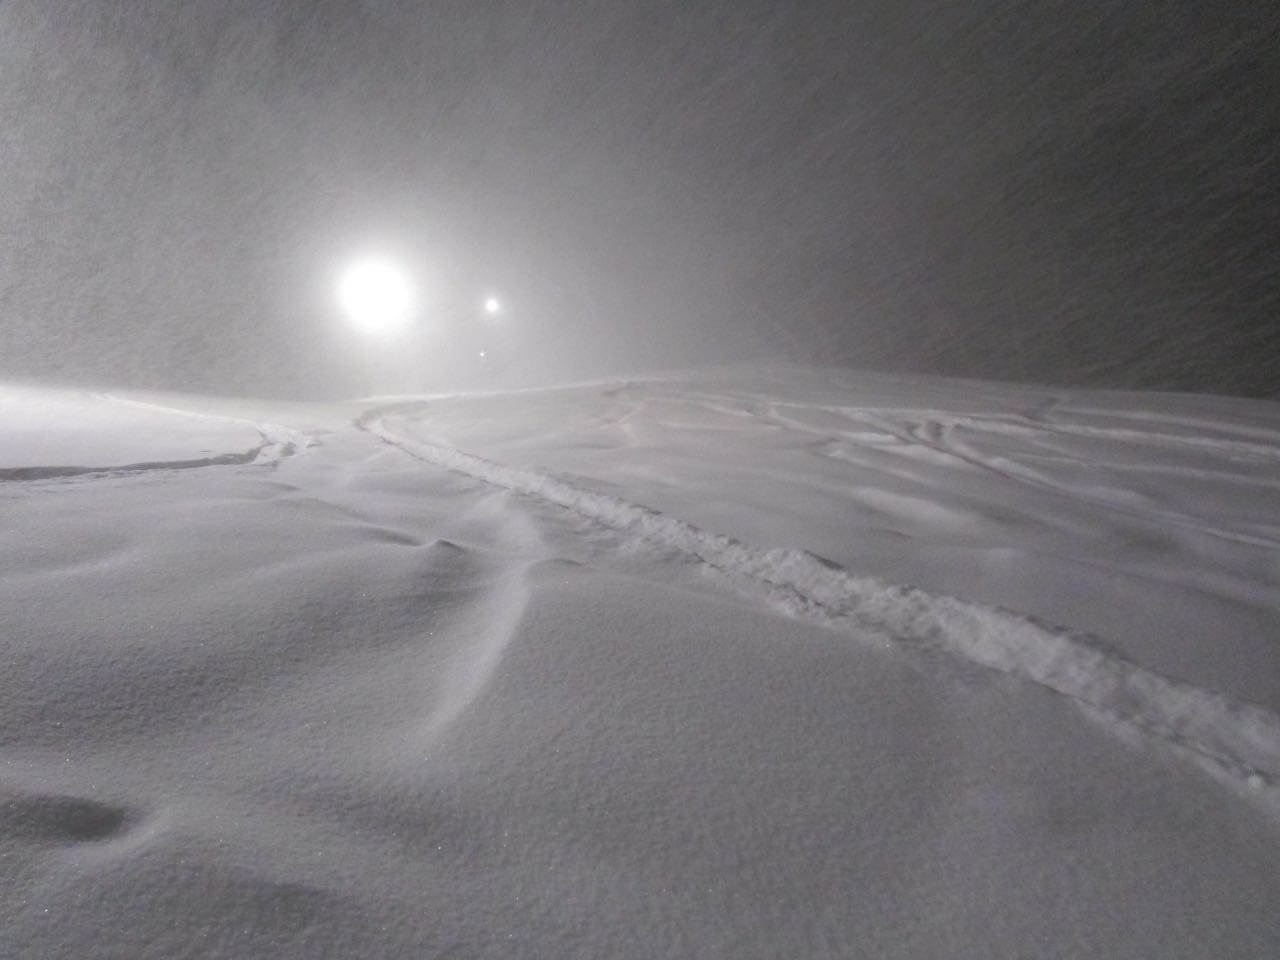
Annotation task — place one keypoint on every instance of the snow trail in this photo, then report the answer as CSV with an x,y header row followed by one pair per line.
x,y
939,431
275,443
1237,741
28,474
278,442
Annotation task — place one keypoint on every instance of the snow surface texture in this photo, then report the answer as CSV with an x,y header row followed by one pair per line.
x,y
744,665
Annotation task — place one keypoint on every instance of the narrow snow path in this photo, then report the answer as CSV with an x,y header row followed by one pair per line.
x,y
942,432
278,441
1236,741
275,443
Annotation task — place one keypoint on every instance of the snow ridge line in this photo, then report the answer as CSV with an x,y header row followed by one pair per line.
x,y
277,442
29,474
1230,738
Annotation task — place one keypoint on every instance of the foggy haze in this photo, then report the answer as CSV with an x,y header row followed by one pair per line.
x,y
1067,192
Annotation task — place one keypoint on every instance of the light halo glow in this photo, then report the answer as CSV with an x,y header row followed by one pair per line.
x,y
377,297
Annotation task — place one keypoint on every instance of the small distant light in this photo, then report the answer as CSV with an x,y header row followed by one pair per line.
x,y
482,354
492,305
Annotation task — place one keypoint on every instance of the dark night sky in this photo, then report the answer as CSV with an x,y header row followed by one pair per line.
x,y
1080,191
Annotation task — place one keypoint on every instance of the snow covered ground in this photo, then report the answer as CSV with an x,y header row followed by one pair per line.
x,y
788,663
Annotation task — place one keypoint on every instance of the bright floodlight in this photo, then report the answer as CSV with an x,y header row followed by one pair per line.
x,y
376,296
492,305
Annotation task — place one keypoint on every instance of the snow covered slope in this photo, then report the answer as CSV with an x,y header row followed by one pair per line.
x,y
48,434
786,663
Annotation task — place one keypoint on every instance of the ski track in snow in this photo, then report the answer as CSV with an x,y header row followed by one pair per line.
x,y
1237,742
277,442
939,431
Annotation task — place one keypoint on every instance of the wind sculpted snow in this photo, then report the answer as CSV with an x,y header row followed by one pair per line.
x,y
1240,739
693,666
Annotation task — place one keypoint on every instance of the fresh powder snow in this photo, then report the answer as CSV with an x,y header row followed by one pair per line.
x,y
734,663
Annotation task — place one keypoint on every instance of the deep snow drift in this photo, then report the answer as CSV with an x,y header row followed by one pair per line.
x,y
792,663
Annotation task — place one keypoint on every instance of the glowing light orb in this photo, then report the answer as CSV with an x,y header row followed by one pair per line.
x,y
492,305
377,297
